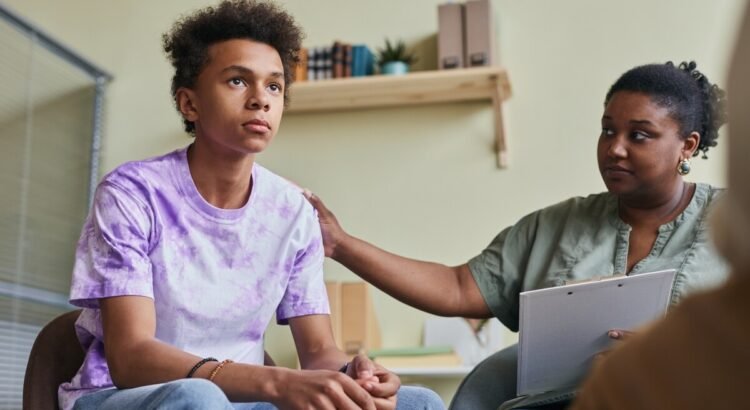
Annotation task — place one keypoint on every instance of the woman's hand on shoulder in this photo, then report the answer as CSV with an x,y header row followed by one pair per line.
x,y
332,232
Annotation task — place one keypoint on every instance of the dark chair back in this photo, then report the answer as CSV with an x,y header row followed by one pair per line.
x,y
55,358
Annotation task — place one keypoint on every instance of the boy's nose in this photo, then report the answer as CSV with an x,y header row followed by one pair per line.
x,y
258,101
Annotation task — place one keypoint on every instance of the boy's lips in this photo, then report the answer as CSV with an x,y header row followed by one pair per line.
x,y
257,125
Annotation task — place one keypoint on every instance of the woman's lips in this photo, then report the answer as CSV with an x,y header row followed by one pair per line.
x,y
617,171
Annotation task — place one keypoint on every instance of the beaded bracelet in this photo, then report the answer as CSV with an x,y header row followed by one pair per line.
x,y
199,364
216,369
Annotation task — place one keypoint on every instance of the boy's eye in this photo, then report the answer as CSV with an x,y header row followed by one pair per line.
x,y
275,87
606,132
237,82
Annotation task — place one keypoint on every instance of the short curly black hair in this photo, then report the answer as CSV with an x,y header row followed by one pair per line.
x,y
186,43
695,103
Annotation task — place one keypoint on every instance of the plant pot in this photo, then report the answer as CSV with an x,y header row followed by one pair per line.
x,y
394,68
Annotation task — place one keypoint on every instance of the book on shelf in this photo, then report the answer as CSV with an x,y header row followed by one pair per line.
x,y
337,59
433,360
433,356
363,61
326,64
319,65
300,70
312,64
410,351
347,60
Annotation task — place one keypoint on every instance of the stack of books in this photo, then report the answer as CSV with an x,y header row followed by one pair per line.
x,y
340,60
416,357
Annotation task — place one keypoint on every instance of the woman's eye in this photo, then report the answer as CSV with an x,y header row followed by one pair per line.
x,y
237,82
606,132
640,135
275,87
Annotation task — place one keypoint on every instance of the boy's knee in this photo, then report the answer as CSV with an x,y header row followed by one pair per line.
x,y
191,394
418,398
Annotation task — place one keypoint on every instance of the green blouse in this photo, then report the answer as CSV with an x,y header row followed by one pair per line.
x,y
582,238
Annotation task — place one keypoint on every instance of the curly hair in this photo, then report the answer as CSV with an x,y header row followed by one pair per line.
x,y
695,103
186,43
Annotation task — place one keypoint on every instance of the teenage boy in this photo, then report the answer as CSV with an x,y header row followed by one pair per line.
x,y
185,258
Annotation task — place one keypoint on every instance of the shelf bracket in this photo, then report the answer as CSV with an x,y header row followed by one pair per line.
x,y
501,148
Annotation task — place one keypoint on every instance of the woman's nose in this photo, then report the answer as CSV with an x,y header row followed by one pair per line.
x,y
617,148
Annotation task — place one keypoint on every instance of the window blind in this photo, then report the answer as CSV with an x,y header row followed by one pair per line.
x,y
48,155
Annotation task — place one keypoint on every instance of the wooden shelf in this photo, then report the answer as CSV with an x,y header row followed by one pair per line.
x,y
424,87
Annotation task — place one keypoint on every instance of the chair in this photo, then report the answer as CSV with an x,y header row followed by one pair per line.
x,y
54,359
490,384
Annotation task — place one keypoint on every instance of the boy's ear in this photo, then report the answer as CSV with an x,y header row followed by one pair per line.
x,y
185,98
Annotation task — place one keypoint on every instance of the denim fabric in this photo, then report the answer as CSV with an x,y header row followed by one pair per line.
x,y
177,395
202,394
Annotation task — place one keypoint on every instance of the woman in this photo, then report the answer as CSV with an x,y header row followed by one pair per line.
x,y
711,328
656,117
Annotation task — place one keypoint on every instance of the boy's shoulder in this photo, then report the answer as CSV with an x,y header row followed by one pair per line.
x,y
280,190
150,172
276,182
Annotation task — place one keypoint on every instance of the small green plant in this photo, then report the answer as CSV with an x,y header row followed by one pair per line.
x,y
395,52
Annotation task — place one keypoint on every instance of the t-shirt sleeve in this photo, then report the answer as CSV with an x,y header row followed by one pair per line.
x,y
499,270
112,254
305,292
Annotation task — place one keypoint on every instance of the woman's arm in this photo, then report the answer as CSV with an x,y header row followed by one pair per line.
x,y
432,287
136,358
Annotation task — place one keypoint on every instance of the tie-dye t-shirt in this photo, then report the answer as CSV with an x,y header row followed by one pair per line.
x,y
217,276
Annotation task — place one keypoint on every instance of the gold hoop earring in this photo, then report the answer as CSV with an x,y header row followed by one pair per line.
x,y
683,168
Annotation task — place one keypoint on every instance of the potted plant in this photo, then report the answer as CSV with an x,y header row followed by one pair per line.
x,y
394,59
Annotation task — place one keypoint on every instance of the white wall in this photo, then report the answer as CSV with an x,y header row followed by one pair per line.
x,y
420,181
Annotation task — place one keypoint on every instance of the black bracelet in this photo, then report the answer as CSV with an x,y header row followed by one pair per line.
x,y
345,367
199,364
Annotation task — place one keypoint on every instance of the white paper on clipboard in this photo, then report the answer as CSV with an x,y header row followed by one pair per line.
x,y
562,328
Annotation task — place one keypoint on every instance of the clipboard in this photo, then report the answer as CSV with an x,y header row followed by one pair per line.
x,y
562,328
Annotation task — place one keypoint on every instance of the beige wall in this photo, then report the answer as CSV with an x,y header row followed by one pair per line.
x,y
418,181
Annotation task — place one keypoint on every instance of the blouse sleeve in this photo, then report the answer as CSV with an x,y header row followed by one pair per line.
x,y
499,269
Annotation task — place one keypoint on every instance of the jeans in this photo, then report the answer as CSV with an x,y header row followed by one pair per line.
x,y
203,394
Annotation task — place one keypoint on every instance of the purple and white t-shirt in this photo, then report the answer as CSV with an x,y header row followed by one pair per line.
x,y
216,276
